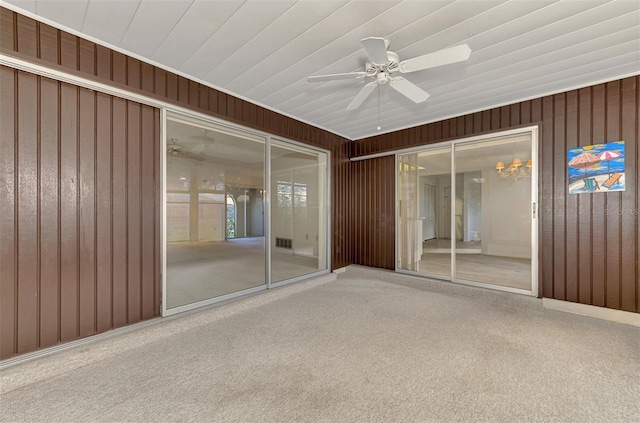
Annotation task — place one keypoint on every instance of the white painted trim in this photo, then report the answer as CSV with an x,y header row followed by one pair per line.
x,y
446,143
396,209
163,209
23,358
603,313
494,287
340,270
307,276
535,203
453,234
266,201
210,301
373,156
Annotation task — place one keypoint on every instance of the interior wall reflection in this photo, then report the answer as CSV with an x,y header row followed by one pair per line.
x,y
424,212
214,212
298,212
484,217
495,211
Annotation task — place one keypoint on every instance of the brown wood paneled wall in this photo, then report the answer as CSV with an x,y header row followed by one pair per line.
x,y
589,247
372,181
80,219
26,38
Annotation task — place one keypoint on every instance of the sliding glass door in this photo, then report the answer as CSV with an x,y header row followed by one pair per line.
x,y
298,212
221,185
494,216
466,211
424,212
212,249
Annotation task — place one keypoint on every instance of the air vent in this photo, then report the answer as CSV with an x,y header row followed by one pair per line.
x,y
284,243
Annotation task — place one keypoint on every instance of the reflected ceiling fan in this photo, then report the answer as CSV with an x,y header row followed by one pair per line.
x,y
383,65
194,145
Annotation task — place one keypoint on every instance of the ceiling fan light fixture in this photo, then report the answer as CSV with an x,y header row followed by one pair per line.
x,y
382,78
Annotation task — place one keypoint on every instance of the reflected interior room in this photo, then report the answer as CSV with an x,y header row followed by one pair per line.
x,y
488,221
215,212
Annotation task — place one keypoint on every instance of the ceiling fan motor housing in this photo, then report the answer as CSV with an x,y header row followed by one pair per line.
x,y
382,72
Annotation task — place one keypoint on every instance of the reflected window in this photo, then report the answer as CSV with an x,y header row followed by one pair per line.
x,y
231,217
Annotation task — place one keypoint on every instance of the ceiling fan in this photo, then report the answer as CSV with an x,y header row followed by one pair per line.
x,y
383,64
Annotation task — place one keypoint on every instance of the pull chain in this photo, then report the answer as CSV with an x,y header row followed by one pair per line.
x,y
378,107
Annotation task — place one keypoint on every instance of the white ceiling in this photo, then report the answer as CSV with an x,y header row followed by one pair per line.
x,y
263,51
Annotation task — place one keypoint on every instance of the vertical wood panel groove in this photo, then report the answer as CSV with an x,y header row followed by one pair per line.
x,y
59,207
38,202
95,202
606,204
140,213
126,207
112,307
16,211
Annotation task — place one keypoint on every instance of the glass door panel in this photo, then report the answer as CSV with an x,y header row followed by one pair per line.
x,y
424,212
298,211
214,211
493,197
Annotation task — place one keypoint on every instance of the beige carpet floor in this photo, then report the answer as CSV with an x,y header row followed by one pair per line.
x,y
362,348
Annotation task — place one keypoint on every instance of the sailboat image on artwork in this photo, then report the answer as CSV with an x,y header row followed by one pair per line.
x,y
596,168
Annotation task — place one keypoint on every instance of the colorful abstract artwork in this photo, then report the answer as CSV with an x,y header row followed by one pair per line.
x,y
596,168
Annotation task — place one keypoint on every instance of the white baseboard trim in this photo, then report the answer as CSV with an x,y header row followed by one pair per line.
x,y
603,313
340,270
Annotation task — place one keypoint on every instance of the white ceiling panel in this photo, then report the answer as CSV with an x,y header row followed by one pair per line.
x,y
297,19
264,50
403,15
457,33
66,12
311,45
153,21
597,39
245,24
27,5
108,20
197,25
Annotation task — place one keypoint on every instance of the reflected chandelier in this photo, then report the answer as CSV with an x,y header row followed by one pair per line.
x,y
515,170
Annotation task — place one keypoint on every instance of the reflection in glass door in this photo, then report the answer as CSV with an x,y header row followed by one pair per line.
x,y
493,217
214,212
424,187
470,222
298,211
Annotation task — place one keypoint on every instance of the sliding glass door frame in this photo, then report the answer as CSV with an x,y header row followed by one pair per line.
x,y
327,210
189,116
534,207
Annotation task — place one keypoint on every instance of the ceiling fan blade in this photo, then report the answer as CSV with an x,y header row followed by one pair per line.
x,y
335,76
409,90
362,95
438,58
376,48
